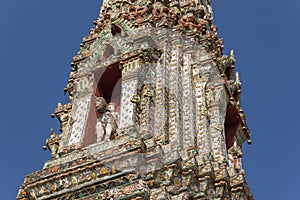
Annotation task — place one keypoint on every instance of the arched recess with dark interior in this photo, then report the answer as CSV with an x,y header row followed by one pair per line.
x,y
115,29
232,123
107,85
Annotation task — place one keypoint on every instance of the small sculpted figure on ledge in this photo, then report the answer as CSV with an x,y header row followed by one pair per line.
x,y
52,143
107,123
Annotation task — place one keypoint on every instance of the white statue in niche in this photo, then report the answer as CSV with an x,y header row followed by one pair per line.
x,y
110,119
107,123
100,105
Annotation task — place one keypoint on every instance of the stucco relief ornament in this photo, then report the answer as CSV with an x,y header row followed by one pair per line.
x,y
142,186
109,195
107,123
161,14
52,143
148,91
99,24
174,14
139,15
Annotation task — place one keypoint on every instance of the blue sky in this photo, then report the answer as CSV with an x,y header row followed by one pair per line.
x,y
39,38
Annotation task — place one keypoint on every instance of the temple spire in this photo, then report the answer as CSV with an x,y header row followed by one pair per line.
x,y
154,110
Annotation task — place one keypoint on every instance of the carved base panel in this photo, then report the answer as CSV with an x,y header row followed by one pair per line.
x,y
132,171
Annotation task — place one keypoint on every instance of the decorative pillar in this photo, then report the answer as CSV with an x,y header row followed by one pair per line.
x,y
175,96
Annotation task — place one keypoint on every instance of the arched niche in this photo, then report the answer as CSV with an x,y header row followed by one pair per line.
x,y
109,84
232,122
115,29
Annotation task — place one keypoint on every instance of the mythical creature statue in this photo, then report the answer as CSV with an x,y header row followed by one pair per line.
x,y
107,123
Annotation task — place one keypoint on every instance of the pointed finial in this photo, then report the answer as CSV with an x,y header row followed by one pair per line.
x,y
232,57
232,54
238,80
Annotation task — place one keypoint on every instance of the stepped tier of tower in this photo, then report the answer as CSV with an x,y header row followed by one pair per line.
x,y
154,111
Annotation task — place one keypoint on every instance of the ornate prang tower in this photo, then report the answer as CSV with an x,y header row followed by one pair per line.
x,y
154,111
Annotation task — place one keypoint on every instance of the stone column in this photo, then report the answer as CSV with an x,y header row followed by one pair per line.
x,y
128,90
188,104
175,97
161,98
